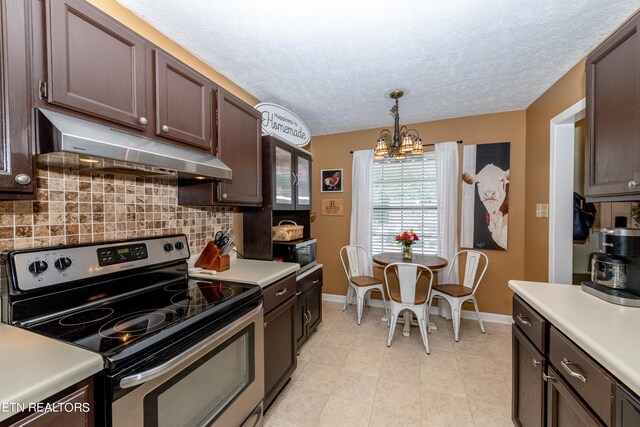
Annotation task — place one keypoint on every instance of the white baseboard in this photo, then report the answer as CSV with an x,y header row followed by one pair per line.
x,y
466,314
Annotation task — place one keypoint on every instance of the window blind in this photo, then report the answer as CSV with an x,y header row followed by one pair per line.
x,y
404,198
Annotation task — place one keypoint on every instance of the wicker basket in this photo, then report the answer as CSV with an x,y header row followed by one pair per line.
x,y
285,233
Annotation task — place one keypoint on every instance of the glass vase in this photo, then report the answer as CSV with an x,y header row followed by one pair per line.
x,y
407,253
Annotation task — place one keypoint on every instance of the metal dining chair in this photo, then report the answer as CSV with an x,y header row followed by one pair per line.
x,y
408,297
360,283
456,295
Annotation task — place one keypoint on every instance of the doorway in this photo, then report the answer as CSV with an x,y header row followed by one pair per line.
x,y
561,186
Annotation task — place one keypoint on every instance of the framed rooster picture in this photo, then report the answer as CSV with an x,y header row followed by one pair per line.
x,y
331,180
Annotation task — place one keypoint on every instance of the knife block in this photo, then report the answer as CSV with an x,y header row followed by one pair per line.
x,y
210,259
222,263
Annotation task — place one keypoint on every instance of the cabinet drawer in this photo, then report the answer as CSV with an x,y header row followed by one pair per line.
x,y
531,323
596,387
310,281
275,294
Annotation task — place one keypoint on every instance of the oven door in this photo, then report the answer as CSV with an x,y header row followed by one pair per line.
x,y
219,381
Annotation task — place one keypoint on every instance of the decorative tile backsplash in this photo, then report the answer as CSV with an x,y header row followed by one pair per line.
x,y
78,207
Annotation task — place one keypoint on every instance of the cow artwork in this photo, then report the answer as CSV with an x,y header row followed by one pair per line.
x,y
485,196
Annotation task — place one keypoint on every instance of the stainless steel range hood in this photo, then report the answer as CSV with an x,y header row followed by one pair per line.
x,y
71,142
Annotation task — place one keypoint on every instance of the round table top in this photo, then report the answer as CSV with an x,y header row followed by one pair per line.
x,y
432,261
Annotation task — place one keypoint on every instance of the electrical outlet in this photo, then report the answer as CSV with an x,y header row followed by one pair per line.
x,y
542,210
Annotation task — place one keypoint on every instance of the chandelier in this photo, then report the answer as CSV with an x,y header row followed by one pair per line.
x,y
402,143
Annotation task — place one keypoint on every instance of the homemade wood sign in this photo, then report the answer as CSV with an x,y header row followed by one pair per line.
x,y
333,207
282,123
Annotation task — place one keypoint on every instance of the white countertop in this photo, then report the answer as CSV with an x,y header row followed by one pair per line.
x,y
254,272
607,332
35,367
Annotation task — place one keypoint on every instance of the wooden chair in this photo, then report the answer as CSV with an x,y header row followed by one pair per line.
x,y
456,295
407,297
360,283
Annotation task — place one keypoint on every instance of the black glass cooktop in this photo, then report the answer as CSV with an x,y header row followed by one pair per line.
x,y
111,327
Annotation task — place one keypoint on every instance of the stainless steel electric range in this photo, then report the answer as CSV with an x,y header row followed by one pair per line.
x,y
177,351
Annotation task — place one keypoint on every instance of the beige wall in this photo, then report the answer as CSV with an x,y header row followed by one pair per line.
x,y
332,232
563,94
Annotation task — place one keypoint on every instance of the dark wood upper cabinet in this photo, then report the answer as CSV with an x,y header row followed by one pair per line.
x,y
16,117
291,176
239,147
95,65
236,131
613,115
183,102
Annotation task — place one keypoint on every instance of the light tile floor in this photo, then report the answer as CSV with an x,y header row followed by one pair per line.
x,y
347,376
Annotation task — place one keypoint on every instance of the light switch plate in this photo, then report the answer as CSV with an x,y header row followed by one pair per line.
x,y
542,210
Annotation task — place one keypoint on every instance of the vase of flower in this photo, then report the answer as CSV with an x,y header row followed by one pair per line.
x,y
407,253
407,239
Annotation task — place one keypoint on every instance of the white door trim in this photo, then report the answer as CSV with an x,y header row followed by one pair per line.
x,y
561,192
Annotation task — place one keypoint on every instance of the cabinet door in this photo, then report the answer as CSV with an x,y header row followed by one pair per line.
x,y
527,408
279,348
613,114
15,105
284,179
627,410
314,306
564,407
240,148
96,65
303,181
183,102
78,396
301,320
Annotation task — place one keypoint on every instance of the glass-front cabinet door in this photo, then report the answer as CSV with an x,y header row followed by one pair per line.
x,y
303,181
283,193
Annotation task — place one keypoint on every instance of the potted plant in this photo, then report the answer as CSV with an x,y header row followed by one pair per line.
x,y
407,239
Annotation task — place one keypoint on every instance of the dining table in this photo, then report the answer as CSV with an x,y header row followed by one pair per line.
x,y
433,262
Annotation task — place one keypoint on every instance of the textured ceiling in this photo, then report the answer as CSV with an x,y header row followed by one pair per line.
x,y
333,62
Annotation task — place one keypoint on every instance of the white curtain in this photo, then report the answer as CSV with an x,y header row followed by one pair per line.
x,y
361,204
447,187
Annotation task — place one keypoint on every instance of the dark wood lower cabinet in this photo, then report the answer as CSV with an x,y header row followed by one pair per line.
x,y
564,406
79,397
280,358
308,306
627,409
556,383
528,385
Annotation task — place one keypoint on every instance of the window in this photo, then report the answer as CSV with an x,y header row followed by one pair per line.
x,y
405,197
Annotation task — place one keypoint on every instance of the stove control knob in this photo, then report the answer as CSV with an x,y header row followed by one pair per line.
x,y
168,247
62,263
38,267
179,246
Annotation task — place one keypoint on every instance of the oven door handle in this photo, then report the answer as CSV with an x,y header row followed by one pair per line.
x,y
143,377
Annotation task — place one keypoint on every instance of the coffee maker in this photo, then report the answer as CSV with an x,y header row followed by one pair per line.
x,y
615,272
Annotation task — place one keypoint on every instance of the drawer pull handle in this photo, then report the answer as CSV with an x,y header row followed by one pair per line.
x,y
282,292
315,281
565,364
298,293
306,319
309,313
536,363
523,320
548,377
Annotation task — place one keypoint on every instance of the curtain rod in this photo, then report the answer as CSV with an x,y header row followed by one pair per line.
x,y
424,145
